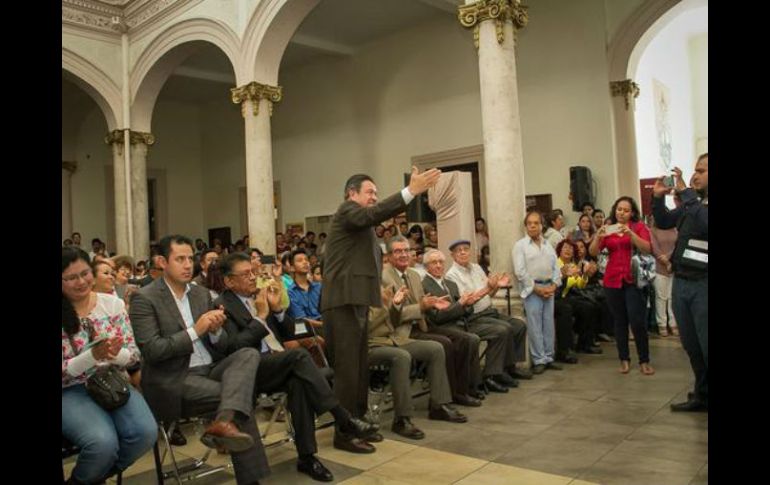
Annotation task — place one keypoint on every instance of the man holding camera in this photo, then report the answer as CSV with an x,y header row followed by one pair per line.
x,y
690,267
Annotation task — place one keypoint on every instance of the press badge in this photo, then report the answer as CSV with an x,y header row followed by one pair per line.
x,y
699,244
695,256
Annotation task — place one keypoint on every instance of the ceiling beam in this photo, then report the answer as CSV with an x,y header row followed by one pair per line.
x,y
449,6
326,46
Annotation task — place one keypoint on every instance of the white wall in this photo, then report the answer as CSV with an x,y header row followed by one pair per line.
x,y
699,74
667,59
89,214
177,150
417,92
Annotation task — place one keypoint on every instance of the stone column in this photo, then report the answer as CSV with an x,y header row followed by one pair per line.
x,y
256,102
67,169
624,94
140,143
116,140
494,24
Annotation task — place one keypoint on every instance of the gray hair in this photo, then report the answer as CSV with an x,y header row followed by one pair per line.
x,y
395,239
428,256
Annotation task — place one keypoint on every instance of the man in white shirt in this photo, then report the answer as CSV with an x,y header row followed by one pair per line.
x,y
555,222
534,262
470,278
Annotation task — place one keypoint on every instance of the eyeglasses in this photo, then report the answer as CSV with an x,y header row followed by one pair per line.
x,y
82,275
400,251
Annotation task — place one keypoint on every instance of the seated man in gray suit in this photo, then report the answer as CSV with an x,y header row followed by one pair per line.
x,y
389,343
180,335
263,324
486,320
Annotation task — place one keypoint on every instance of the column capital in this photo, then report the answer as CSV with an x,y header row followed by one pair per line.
x,y
70,166
136,137
471,15
626,88
254,92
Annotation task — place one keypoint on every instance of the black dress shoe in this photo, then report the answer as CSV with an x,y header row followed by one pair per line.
x,y
477,394
353,445
591,350
491,386
553,366
518,373
374,437
690,406
505,380
570,358
404,427
315,469
464,400
445,412
359,428
177,438
538,369
603,337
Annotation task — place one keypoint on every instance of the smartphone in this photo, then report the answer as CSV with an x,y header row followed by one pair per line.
x,y
267,259
94,343
612,229
668,180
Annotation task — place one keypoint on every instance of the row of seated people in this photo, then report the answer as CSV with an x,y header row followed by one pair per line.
x,y
439,320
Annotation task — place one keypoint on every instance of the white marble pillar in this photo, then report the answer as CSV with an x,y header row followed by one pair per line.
x,y
116,140
140,143
67,169
256,102
624,94
494,23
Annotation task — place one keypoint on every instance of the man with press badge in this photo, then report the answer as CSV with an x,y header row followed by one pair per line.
x,y
689,263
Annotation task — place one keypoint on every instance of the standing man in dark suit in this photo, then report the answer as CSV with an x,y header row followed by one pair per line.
x,y
180,335
352,264
263,324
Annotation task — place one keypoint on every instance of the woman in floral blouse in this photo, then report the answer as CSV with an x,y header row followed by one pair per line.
x,y
95,332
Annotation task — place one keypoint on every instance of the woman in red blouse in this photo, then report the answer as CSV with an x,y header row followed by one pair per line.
x,y
625,233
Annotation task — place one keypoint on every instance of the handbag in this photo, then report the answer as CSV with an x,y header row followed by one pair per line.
x,y
107,386
642,269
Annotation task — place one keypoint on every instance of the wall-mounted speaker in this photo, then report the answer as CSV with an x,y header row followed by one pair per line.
x,y
581,187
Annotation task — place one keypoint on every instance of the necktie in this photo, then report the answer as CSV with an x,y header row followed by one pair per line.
x,y
449,293
269,343
406,283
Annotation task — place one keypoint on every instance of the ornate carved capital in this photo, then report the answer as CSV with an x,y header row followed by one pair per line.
x,y
626,88
69,166
136,137
255,91
500,11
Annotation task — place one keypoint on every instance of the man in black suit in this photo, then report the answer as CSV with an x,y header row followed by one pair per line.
x,y
261,323
352,265
180,335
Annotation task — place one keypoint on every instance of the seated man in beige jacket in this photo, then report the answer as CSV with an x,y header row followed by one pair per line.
x,y
392,346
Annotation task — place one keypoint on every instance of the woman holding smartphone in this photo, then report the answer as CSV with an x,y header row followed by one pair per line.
x,y
95,332
624,234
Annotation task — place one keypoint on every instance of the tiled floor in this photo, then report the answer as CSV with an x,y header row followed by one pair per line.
x,y
585,425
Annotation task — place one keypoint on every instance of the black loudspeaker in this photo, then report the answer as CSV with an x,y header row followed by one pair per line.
x,y
418,210
581,187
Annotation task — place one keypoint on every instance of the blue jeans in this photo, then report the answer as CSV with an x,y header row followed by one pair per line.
x,y
691,309
540,328
107,440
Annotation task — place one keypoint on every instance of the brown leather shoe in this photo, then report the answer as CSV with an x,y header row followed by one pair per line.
x,y
224,434
445,412
353,445
404,427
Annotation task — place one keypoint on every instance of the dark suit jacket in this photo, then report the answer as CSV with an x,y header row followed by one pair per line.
x,y
165,344
455,314
351,262
243,330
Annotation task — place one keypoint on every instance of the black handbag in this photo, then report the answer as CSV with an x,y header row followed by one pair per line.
x,y
108,387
